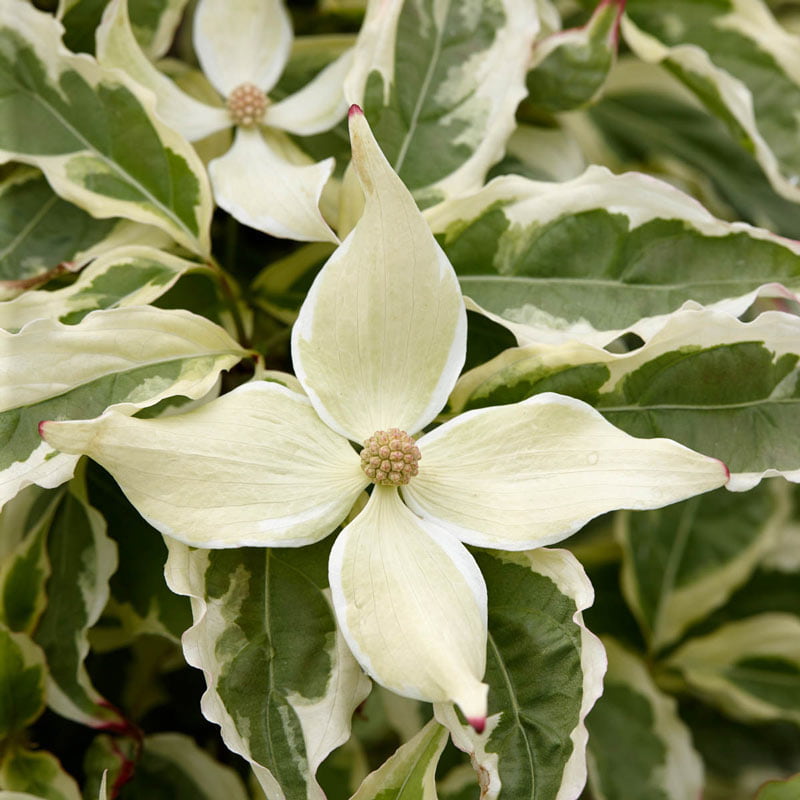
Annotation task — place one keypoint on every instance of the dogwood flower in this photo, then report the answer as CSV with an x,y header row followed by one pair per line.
x,y
377,348
264,180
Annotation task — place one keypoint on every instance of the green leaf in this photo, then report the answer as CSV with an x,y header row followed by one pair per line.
x,y
736,58
440,83
24,565
602,253
719,386
683,561
750,668
82,560
281,683
570,67
410,774
23,669
535,738
648,120
140,601
99,145
126,357
127,276
780,790
639,749
37,773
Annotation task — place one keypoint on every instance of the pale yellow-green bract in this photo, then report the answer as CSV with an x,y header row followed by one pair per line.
x,y
379,343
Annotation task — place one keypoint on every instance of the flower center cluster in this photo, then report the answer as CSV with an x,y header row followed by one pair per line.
x,y
247,104
390,458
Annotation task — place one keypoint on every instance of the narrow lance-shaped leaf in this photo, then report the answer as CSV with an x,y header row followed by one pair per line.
x,y
127,357
601,254
544,670
683,561
749,668
440,83
128,276
570,67
281,683
639,749
740,62
24,565
82,559
94,137
23,668
741,415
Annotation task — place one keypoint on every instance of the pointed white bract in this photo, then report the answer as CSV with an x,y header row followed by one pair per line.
x,y
379,344
381,338
412,604
264,181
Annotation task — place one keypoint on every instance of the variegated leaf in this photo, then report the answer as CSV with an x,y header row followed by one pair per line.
x,y
544,670
570,67
439,83
82,559
38,774
683,561
749,668
24,564
95,137
129,358
739,61
639,749
409,774
601,254
23,671
725,388
128,276
780,790
140,602
281,683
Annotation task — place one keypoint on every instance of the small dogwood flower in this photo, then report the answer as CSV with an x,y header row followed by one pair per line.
x,y
377,348
264,180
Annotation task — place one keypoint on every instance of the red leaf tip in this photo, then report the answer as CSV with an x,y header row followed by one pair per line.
x,y
478,723
355,109
41,427
727,471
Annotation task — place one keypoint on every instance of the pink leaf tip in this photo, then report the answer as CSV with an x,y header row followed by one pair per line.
x,y
478,723
41,427
355,109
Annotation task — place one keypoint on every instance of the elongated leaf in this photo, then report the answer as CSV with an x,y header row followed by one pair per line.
x,y
281,683
725,388
125,277
130,357
24,565
97,142
37,773
82,560
750,668
23,669
739,62
440,82
544,670
570,67
639,749
685,560
410,774
646,119
601,253
140,601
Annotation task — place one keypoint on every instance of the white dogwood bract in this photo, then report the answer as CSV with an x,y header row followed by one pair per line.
x,y
378,345
264,180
